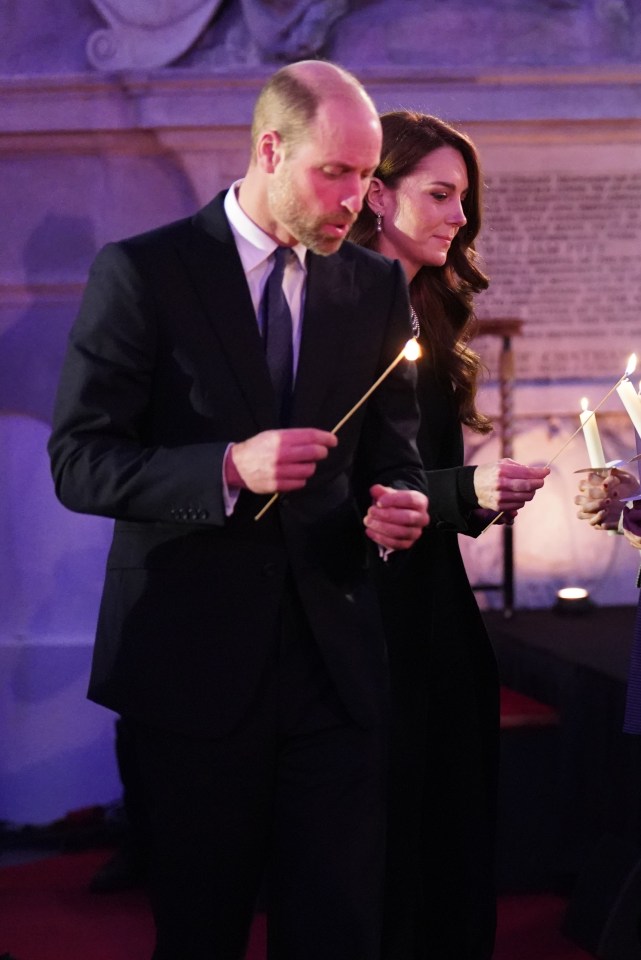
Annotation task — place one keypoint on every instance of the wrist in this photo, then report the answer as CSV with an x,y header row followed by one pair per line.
x,y
470,482
631,520
233,478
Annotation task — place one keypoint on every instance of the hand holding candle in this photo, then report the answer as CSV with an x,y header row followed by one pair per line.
x,y
589,415
632,362
411,351
591,435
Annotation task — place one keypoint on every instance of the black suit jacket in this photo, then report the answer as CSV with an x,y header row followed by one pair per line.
x,y
165,367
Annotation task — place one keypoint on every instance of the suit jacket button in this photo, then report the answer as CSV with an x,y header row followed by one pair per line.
x,y
202,515
270,569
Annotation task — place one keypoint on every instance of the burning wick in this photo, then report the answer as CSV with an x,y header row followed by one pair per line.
x,y
411,351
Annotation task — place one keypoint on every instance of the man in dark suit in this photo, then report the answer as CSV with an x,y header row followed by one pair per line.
x,y
247,655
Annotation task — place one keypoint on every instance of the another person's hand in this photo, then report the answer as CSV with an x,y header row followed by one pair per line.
x,y
507,485
277,460
602,495
396,518
632,525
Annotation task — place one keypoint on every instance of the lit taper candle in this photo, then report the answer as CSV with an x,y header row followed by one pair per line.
x,y
632,362
629,397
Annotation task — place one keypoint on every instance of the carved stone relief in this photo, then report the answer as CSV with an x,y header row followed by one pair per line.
x,y
44,38
144,37
291,29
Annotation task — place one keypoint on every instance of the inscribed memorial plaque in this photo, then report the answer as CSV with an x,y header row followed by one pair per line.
x,y
563,252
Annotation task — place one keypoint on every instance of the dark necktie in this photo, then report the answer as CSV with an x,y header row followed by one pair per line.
x,y
277,333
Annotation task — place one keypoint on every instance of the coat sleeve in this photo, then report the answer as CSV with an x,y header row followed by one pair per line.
x,y
108,454
453,500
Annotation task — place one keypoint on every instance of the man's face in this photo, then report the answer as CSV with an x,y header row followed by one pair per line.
x,y
317,187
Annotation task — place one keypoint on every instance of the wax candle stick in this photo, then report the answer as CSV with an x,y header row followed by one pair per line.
x,y
591,435
630,368
632,403
638,439
632,362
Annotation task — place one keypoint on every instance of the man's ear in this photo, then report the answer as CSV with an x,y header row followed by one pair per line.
x,y
269,151
375,196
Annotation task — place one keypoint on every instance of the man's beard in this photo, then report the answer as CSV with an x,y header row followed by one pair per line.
x,y
308,230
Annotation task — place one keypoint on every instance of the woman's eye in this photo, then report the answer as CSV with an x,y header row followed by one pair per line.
x,y
440,196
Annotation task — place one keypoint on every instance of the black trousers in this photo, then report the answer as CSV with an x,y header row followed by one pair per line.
x,y
293,798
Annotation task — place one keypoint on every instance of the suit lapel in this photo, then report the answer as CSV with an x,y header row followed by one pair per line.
x,y
326,322
217,274
216,271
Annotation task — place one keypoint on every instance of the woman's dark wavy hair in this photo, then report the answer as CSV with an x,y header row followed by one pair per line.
x,y
441,296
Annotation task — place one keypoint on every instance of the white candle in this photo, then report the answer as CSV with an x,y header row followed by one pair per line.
x,y
632,403
591,435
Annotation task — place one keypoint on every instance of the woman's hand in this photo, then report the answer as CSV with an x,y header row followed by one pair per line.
x,y
507,485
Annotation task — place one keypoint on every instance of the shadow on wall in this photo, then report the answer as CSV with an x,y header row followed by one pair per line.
x,y
58,750
58,753
32,348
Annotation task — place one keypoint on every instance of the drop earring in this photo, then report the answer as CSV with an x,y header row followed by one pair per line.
x,y
379,222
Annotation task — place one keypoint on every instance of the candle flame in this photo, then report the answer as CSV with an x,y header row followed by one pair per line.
x,y
632,364
584,403
572,593
412,350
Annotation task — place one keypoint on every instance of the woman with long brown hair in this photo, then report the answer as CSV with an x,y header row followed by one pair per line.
x,y
424,209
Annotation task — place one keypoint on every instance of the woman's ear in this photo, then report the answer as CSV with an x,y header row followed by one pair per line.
x,y
375,196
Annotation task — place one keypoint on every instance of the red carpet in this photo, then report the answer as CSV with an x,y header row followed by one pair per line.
x,y
528,929
48,913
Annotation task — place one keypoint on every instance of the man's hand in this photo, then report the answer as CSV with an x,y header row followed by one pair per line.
x,y
396,518
277,460
602,495
507,485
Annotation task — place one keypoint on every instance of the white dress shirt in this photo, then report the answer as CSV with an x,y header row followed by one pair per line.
x,y
254,249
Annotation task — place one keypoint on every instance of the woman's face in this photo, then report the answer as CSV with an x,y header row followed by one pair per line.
x,y
424,212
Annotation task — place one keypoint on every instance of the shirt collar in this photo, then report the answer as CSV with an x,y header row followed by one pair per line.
x,y
254,245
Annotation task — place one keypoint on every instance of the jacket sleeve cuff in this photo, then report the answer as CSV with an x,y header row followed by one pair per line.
x,y
465,487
